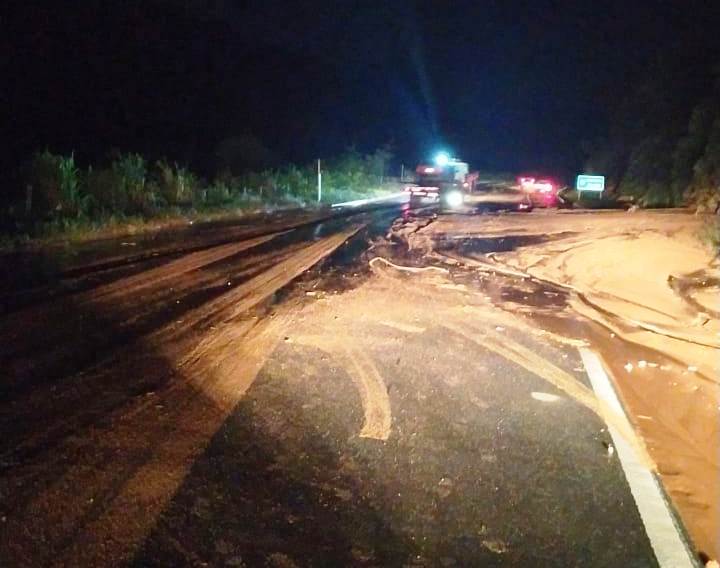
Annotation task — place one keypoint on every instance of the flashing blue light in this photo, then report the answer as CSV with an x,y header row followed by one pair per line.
x,y
442,159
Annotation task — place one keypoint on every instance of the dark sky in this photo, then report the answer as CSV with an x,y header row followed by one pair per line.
x,y
505,85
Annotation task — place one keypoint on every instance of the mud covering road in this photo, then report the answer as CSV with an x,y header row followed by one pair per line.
x,y
281,399
641,288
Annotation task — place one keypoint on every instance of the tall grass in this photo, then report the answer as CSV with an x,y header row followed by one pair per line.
x,y
176,184
131,174
73,202
64,198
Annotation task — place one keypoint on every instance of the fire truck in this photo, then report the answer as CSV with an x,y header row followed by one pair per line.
x,y
446,181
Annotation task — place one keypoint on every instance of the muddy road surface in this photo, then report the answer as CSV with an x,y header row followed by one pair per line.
x,y
313,392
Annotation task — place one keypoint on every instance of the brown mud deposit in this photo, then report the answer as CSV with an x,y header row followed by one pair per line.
x,y
635,287
372,334
95,447
348,423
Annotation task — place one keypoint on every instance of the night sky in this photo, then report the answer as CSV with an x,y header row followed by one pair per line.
x,y
504,85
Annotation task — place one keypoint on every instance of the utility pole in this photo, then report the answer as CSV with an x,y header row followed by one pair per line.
x,y
319,183
402,172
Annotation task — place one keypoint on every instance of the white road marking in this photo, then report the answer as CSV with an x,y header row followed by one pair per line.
x,y
544,396
665,537
402,197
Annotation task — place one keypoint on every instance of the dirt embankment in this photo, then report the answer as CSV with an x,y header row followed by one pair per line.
x,y
652,286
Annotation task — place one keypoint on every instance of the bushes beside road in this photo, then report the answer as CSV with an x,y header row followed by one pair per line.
x,y
60,197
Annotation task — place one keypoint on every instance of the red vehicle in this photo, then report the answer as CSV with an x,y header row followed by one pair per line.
x,y
542,192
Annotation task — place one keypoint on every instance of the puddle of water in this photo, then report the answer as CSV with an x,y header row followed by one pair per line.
x,y
538,297
503,290
482,245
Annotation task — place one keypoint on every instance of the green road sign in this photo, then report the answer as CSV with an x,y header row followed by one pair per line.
x,y
590,183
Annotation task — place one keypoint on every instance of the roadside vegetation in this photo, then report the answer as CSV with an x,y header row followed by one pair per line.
x,y
59,197
663,145
711,234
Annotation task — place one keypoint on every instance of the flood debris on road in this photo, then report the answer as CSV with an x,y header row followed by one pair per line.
x,y
395,405
91,477
670,356
420,447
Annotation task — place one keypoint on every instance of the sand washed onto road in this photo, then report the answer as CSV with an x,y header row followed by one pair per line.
x,y
621,265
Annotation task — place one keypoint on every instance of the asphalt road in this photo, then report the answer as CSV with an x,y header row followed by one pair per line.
x,y
266,398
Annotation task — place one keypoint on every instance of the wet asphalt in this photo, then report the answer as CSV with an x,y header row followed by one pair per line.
x,y
476,471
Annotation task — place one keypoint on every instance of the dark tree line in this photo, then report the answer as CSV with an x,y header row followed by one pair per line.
x,y
663,141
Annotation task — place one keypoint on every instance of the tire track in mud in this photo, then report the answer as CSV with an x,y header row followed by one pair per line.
x,y
524,357
248,294
123,299
169,341
103,505
202,239
174,268
67,365
677,437
366,377
373,393
129,465
143,494
34,350
677,446
84,266
540,367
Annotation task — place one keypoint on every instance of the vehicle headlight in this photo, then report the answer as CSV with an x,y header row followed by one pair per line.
x,y
454,198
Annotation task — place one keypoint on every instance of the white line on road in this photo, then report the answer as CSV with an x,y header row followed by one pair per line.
x,y
402,197
665,537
